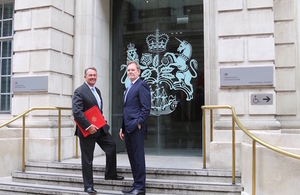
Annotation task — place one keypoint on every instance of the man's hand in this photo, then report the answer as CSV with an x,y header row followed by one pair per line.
x,y
121,135
139,126
93,129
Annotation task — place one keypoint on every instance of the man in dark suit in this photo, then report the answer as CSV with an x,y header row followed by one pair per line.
x,y
84,98
137,105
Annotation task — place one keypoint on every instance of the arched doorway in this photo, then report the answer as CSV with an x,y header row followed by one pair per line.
x,y
166,37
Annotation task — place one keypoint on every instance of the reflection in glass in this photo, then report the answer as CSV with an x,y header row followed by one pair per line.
x,y
6,48
1,11
7,28
6,67
5,84
8,10
5,103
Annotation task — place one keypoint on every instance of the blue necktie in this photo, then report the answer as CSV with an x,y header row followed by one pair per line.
x,y
127,91
97,97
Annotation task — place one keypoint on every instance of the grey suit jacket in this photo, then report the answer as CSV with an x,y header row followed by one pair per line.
x,y
83,99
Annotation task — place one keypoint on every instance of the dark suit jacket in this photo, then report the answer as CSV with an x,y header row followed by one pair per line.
x,y
83,99
137,107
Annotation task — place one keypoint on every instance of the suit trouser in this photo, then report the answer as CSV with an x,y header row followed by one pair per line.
x,y
136,154
87,146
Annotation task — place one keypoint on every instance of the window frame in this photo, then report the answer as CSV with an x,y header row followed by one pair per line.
x,y
6,107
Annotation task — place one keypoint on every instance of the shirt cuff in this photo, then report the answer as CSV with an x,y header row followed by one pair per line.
x,y
88,128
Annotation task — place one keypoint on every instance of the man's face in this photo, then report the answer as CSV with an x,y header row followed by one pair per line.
x,y
132,72
91,77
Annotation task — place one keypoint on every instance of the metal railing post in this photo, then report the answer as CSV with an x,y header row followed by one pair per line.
x,y
253,166
23,147
76,147
203,139
233,151
211,125
59,135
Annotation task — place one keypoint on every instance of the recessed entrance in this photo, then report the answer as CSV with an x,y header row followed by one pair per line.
x,y
166,37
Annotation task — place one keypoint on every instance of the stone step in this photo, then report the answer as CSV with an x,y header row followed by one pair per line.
x,y
201,175
15,188
7,188
65,178
155,186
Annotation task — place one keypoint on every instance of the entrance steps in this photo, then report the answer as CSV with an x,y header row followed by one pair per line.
x,y
65,178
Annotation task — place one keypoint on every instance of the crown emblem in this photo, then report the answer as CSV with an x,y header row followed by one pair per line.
x,y
131,47
131,53
157,42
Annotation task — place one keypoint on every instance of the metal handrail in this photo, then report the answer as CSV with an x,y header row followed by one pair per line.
x,y
255,139
59,130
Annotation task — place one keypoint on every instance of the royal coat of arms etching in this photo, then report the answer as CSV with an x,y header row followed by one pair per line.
x,y
173,70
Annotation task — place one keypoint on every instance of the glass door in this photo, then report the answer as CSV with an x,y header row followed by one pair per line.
x,y
166,38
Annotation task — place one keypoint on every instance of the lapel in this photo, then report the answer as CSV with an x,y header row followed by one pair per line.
x,y
91,95
131,91
99,94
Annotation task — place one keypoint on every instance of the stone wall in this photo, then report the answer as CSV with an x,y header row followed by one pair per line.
x,y
57,39
286,17
253,33
43,45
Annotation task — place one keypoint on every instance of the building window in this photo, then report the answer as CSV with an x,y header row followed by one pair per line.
x,y
6,38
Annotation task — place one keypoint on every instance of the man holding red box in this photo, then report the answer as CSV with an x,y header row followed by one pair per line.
x,y
85,97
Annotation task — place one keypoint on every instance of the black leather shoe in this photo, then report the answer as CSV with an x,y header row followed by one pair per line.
x,y
117,177
136,192
90,190
128,190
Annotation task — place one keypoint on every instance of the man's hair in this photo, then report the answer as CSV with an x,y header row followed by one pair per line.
x,y
89,68
135,62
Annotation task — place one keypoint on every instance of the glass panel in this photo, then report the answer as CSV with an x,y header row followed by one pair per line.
x,y
6,67
0,29
7,28
5,84
8,10
1,7
1,11
5,103
166,37
6,50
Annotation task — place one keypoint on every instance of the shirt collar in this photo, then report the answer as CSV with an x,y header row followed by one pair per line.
x,y
89,85
135,80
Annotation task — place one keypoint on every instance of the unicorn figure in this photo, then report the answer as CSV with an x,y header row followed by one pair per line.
x,y
183,74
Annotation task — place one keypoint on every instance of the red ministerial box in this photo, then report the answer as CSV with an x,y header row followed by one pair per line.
x,y
94,116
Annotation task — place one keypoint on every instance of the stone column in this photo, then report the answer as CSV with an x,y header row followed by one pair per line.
x,y
44,46
92,46
286,17
244,38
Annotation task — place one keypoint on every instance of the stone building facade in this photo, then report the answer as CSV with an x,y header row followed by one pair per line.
x,y
58,39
